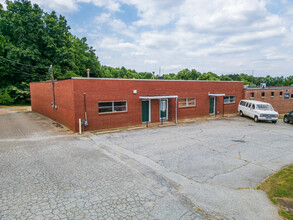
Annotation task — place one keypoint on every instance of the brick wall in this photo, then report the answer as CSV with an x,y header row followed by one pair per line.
x,y
279,103
41,99
70,100
118,90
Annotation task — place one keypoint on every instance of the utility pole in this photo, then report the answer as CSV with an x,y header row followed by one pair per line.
x,y
88,73
53,87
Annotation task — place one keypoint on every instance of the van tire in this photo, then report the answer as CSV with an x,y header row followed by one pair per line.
x,y
241,114
255,119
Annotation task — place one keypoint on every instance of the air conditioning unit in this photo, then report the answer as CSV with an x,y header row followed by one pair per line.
x,y
263,85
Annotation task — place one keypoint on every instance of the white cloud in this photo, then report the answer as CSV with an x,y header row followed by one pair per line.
x,y
62,6
58,5
150,61
116,25
111,5
3,3
215,35
103,18
116,44
154,12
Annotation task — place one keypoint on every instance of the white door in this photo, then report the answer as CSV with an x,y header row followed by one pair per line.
x,y
164,110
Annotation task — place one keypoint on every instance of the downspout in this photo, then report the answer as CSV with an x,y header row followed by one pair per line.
x,y
84,122
176,110
84,100
54,106
223,107
215,106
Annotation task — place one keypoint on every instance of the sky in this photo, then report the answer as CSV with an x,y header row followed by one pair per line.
x,y
166,36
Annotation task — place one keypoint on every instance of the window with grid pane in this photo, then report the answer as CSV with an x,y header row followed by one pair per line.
x,y
229,99
187,102
112,106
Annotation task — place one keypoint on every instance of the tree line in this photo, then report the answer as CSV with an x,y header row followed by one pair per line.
x,y
31,40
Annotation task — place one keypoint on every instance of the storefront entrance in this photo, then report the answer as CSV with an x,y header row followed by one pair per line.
x,y
162,109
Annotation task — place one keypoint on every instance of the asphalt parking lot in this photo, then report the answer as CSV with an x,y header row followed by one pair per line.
x,y
201,170
217,163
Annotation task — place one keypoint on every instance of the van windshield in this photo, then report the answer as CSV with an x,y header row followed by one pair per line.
x,y
264,107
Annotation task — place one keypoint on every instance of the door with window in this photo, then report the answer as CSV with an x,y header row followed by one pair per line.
x,y
212,105
164,110
145,111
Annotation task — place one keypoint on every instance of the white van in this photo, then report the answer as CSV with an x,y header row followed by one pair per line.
x,y
259,111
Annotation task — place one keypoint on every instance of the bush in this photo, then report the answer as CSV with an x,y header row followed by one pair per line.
x,y
19,94
5,98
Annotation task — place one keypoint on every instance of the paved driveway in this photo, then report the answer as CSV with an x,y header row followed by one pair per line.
x,y
200,170
47,172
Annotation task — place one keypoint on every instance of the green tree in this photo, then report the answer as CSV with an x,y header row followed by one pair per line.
x,y
209,76
31,41
5,98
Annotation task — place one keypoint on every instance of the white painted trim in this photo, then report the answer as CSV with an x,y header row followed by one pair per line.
x,y
210,94
158,97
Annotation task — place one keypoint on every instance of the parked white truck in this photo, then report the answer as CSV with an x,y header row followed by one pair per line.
x,y
259,111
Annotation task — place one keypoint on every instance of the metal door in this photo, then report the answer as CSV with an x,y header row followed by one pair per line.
x,y
145,111
212,105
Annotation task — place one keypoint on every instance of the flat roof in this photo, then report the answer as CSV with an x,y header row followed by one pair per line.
x,y
151,80
147,80
270,88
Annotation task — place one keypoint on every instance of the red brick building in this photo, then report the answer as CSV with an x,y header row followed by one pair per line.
x,y
281,98
112,103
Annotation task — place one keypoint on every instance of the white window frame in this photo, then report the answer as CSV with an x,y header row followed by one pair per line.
x,y
186,102
113,106
229,102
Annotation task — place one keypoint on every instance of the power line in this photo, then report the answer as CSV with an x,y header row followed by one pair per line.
x,y
20,70
12,61
17,70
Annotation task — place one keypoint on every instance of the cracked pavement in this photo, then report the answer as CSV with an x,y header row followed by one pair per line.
x,y
217,163
49,173
201,170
